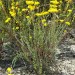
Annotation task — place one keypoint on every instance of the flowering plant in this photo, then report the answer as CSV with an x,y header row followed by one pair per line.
x,y
36,36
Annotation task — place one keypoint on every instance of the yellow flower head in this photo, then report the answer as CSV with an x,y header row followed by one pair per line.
x,y
17,28
65,31
30,37
9,70
44,12
17,21
12,7
12,13
70,10
31,7
54,2
13,3
0,3
24,9
29,2
61,20
17,3
27,17
10,74
7,20
36,3
45,24
53,6
13,28
53,10
68,23
38,14
43,20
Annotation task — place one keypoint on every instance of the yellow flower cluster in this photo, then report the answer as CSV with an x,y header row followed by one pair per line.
x,y
53,6
12,13
61,20
0,3
42,13
69,10
30,37
7,20
32,4
29,2
54,2
24,9
15,28
44,22
9,71
14,7
68,23
31,7
52,9
65,31
27,17
12,10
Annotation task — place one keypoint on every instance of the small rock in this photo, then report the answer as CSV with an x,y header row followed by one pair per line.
x,y
72,48
73,32
18,74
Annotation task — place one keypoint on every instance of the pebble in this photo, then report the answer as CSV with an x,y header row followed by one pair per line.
x,y
72,47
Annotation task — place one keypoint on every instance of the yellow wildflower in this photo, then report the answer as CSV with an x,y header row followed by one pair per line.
x,y
59,10
0,3
69,10
65,31
10,74
17,28
7,20
44,20
45,24
31,7
17,3
27,17
45,13
30,37
38,14
36,3
42,13
67,23
54,2
29,2
53,10
24,9
13,3
17,21
53,6
61,20
13,28
60,2
12,13
9,70
12,7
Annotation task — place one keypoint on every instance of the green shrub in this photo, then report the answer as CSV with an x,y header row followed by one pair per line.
x,y
36,37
